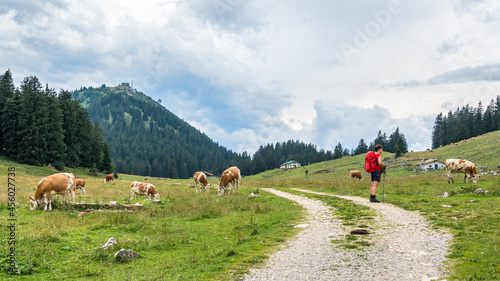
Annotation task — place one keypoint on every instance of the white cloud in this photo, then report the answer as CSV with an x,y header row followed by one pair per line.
x,y
252,72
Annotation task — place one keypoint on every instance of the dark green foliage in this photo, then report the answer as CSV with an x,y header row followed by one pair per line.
x,y
466,122
272,156
362,147
40,127
144,137
390,144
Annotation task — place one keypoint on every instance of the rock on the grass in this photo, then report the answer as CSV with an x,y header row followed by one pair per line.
x,y
111,242
126,254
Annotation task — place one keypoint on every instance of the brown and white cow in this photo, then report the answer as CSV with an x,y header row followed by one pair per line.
x,y
51,185
142,188
200,179
356,174
229,177
80,183
461,166
108,178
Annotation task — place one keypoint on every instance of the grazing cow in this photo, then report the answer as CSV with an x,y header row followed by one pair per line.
x,y
51,185
79,183
200,179
356,174
142,188
461,166
229,177
108,178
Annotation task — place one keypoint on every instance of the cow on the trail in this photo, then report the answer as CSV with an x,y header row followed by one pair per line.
x,y
356,174
229,177
200,179
461,166
51,185
142,188
108,178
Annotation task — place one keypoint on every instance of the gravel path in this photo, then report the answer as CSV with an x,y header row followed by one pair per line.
x,y
405,247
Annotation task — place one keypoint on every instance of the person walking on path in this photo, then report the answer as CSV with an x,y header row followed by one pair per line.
x,y
377,174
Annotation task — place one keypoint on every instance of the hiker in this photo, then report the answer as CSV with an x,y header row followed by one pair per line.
x,y
373,161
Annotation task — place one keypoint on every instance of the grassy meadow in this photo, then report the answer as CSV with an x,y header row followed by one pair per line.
x,y
202,236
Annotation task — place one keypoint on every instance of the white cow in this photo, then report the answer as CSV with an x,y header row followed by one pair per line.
x,y
461,166
142,188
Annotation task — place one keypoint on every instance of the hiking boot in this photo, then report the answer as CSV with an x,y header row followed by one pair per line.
x,y
373,199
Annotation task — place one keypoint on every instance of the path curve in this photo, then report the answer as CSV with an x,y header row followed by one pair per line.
x,y
405,247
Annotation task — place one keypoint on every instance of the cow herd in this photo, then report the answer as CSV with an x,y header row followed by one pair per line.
x,y
452,165
64,183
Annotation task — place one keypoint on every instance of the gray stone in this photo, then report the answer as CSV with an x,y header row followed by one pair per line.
x,y
111,243
252,195
126,254
479,191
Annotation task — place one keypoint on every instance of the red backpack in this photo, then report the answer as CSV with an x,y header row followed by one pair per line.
x,y
371,162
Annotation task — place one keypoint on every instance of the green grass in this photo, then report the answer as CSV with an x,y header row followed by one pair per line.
x,y
190,237
206,237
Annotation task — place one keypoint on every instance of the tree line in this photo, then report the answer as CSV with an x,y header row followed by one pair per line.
x,y
466,122
42,127
394,143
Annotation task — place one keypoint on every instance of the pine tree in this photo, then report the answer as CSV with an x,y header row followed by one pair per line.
x,y
401,146
106,163
338,151
156,168
438,132
55,149
172,169
478,125
32,118
258,164
70,110
10,125
361,148
7,90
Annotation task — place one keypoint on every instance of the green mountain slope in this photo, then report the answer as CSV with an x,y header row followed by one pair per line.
x,y
483,151
147,139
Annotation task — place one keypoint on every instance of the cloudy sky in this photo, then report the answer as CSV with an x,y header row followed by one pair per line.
x,y
253,72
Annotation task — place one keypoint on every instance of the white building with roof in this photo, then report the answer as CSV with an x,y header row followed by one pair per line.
x,y
431,164
292,164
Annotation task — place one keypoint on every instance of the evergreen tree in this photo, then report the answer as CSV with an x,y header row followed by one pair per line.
x,y
338,151
258,164
478,125
10,125
361,148
106,164
33,115
172,169
401,146
438,136
55,149
7,90
96,154
70,110
156,169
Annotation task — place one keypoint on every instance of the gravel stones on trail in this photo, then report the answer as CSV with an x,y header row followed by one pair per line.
x,y
404,247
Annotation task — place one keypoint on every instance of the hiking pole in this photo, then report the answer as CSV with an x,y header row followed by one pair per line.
x,y
383,189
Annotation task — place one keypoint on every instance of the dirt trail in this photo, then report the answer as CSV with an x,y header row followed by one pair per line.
x,y
405,247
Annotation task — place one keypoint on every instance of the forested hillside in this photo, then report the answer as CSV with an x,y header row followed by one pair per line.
x,y
466,122
41,127
147,139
